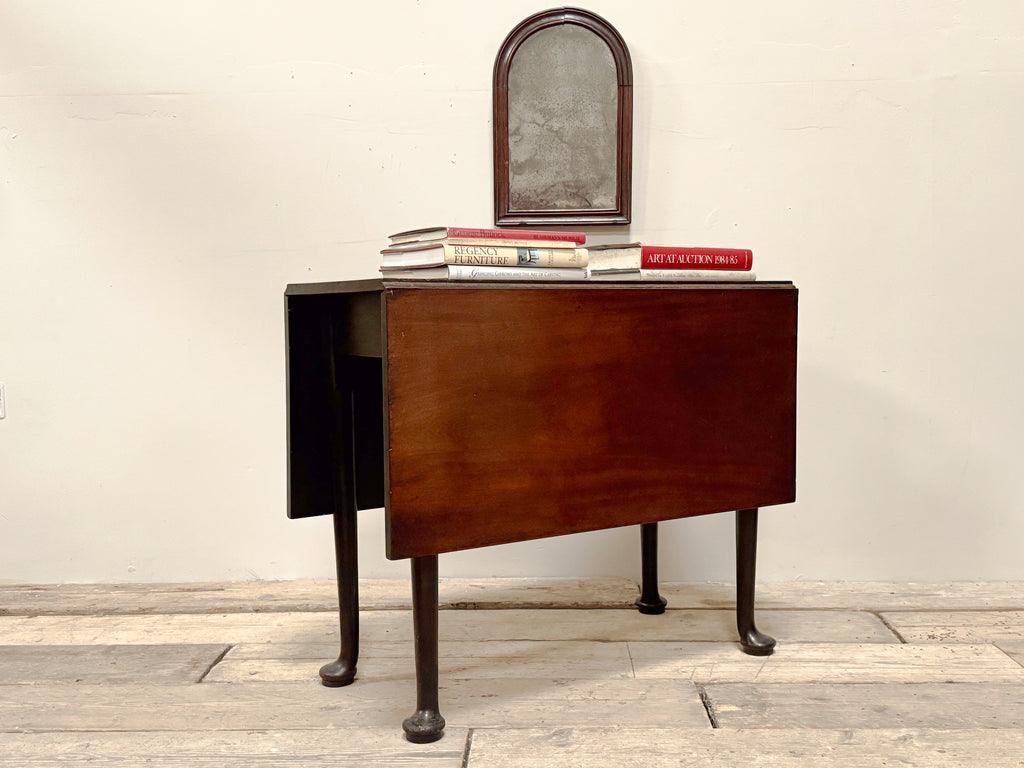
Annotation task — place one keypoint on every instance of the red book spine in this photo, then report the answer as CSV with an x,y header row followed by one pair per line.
x,y
662,257
518,234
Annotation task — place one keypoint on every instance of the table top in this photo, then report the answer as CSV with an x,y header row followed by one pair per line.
x,y
378,284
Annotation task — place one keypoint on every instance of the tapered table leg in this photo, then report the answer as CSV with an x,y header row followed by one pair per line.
x,y
425,724
650,601
343,670
346,556
751,640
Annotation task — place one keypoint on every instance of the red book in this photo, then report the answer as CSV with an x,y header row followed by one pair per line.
x,y
667,257
439,233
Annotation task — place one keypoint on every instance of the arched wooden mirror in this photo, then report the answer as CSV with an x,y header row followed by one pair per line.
x,y
563,122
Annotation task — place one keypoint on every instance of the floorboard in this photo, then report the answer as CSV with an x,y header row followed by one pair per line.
x,y
604,625
958,626
307,595
877,705
665,748
109,664
853,595
217,749
826,663
458,660
534,673
499,593
483,703
1012,648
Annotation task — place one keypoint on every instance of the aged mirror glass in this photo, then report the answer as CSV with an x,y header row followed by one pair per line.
x,y
562,122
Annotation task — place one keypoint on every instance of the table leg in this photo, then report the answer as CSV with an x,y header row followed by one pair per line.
x,y
343,671
751,640
346,556
650,601
425,724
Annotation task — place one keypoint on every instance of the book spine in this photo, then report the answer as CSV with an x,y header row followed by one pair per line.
x,y
521,234
698,275
661,257
510,243
457,272
614,275
499,256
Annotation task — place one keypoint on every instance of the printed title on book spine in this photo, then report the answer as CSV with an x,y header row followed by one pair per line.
x,y
695,259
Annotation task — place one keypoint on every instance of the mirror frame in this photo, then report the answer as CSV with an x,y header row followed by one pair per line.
x,y
620,214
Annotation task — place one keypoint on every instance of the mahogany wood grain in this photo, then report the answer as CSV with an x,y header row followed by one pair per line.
x,y
520,412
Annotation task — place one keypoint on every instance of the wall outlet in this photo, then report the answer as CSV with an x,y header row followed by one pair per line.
x,y
3,405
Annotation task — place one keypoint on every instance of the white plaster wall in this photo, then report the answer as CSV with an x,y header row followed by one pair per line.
x,y
166,168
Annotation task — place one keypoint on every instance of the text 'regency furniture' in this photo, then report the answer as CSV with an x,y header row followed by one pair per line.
x,y
488,413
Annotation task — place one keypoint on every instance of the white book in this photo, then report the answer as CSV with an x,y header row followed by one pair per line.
x,y
698,275
462,272
480,255
614,275
673,275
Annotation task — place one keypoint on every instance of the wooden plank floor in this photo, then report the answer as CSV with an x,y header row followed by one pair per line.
x,y
534,674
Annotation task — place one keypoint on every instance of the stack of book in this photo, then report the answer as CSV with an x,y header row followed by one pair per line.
x,y
460,253
634,261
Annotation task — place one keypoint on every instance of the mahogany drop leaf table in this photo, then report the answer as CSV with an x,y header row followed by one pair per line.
x,y
486,413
